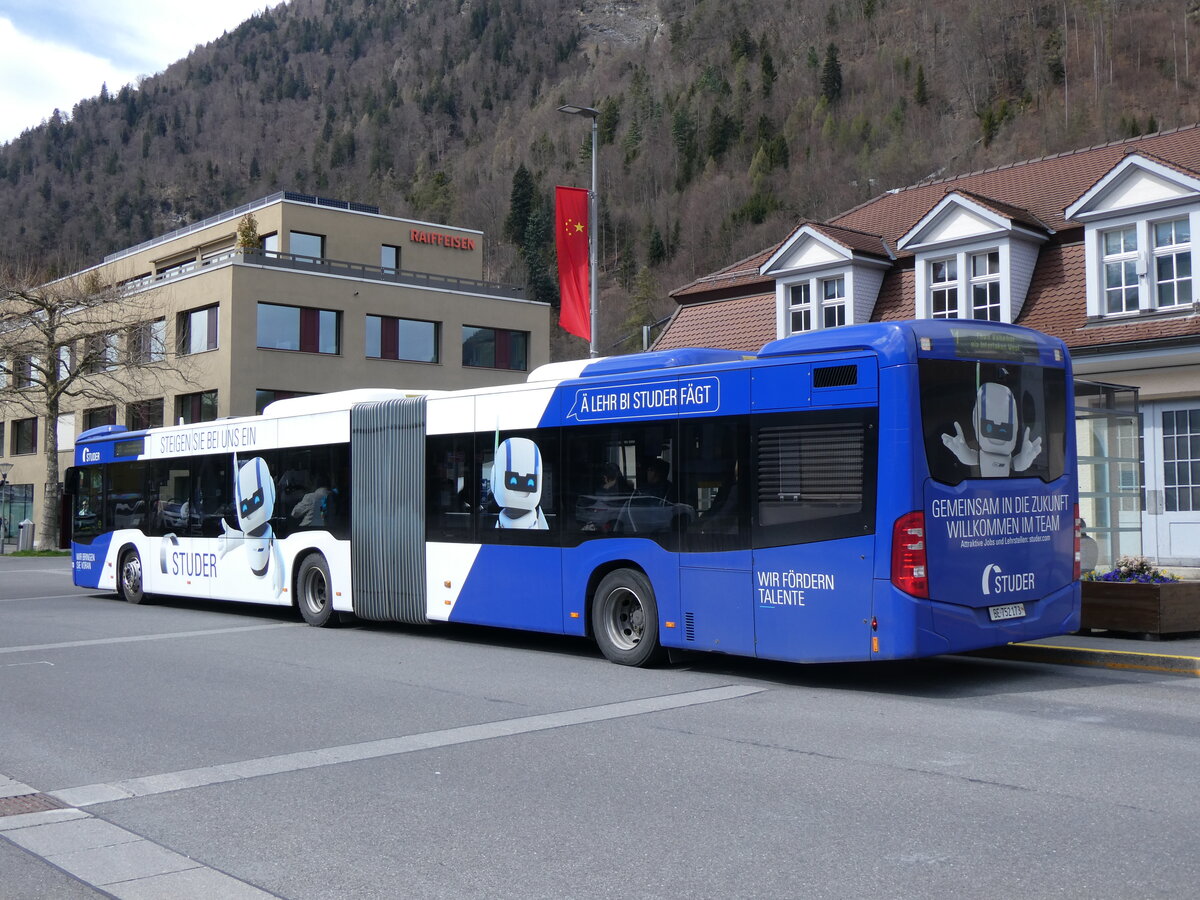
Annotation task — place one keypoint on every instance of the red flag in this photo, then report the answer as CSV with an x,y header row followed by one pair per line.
x,y
571,240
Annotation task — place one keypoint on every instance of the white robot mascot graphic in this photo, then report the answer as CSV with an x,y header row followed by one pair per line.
x,y
255,495
995,421
519,491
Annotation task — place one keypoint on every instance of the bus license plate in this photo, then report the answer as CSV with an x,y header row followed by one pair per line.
x,y
1011,611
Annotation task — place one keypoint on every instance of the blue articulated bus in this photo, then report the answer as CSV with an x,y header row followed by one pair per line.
x,y
880,491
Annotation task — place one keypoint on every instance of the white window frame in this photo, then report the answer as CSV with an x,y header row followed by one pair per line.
x,y
989,281
833,301
964,280
1175,251
1145,260
817,305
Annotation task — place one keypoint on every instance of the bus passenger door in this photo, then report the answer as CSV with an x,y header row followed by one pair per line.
x,y
714,567
813,511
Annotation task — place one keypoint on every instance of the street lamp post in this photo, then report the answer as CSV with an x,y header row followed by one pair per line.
x,y
5,503
593,215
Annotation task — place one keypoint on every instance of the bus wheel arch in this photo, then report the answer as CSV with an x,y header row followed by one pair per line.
x,y
131,584
313,590
623,615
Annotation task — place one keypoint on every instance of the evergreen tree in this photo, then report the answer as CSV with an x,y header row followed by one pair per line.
x,y
520,205
641,308
831,75
921,91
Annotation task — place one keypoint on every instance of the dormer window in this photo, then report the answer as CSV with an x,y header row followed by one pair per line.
x,y
1134,280
985,285
943,288
974,258
800,307
833,302
1120,270
828,312
1138,238
826,276
1173,263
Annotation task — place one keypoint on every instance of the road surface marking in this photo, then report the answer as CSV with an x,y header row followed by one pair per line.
x,y
134,638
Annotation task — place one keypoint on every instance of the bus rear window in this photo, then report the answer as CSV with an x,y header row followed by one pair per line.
x,y
992,420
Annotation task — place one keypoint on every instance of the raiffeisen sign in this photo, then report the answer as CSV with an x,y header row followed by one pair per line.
x,y
453,241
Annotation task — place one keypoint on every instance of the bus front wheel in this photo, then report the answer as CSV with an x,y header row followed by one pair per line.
x,y
313,594
129,582
625,619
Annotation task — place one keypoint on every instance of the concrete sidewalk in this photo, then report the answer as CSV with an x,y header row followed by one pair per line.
x,y
1177,656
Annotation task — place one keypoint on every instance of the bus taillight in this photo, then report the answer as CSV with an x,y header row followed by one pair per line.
x,y
1079,532
908,554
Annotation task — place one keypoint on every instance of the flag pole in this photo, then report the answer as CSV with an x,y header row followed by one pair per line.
x,y
593,242
593,220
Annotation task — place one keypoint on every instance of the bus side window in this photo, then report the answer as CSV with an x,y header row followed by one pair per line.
x,y
714,485
89,502
815,476
125,503
451,489
517,487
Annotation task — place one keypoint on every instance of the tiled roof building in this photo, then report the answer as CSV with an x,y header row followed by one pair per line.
x,y
1093,246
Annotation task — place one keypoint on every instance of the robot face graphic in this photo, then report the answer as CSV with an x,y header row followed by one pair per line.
x,y
521,487
255,495
995,419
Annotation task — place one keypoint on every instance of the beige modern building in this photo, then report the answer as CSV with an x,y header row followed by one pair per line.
x,y
337,296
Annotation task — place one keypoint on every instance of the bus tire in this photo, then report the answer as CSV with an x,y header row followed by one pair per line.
x,y
313,594
130,584
625,618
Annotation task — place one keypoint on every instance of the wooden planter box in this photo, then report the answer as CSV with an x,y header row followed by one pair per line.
x,y
1151,609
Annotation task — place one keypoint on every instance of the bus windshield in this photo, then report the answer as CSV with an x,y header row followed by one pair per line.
x,y
992,419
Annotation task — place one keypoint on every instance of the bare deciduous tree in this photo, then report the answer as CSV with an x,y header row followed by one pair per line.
x,y
68,340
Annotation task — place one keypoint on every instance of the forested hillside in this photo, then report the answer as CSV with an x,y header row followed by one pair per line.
x,y
722,122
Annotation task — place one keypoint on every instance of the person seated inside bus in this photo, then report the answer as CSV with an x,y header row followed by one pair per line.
x,y
313,508
721,517
612,481
656,483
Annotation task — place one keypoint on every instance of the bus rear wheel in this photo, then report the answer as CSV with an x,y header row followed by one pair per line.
x,y
129,579
313,594
625,619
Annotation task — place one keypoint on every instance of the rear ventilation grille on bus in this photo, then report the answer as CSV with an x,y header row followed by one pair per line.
x,y
835,376
689,626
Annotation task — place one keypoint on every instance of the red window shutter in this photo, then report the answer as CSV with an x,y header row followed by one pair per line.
x,y
310,330
389,337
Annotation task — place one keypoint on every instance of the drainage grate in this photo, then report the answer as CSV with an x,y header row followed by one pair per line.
x,y
29,803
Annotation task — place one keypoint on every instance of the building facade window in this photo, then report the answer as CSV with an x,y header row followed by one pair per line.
x,y
299,328
308,246
800,307
817,302
1172,263
24,372
144,414
98,416
147,342
833,302
270,243
1120,270
389,258
197,330
263,397
24,437
495,348
411,339
199,407
1,438
100,353
985,285
943,288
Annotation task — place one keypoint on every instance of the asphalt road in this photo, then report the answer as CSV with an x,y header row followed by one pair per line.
x,y
219,751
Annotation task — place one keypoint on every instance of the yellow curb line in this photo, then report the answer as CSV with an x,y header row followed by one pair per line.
x,y
1105,659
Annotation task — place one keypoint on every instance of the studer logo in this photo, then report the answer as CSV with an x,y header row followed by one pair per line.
x,y
996,582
